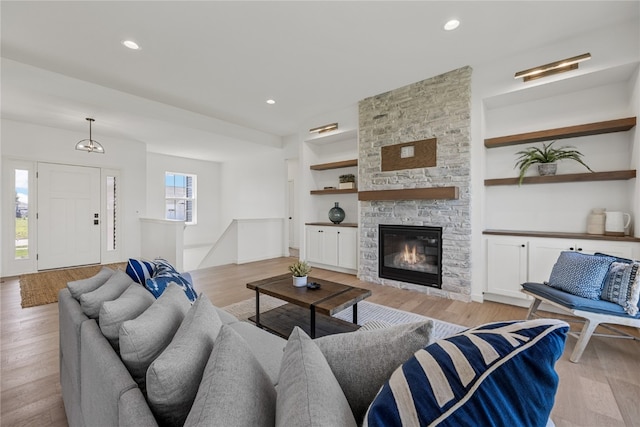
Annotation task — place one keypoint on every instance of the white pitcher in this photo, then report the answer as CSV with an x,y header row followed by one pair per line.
x,y
616,223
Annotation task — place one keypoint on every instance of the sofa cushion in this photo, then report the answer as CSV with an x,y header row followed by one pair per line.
x,y
235,390
91,302
79,287
622,287
265,346
494,374
308,392
363,361
165,273
145,337
173,378
133,302
580,274
140,270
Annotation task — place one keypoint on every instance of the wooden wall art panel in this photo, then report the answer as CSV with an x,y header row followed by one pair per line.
x,y
409,155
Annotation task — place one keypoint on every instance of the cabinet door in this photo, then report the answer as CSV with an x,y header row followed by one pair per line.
x,y
543,254
329,245
348,248
623,250
314,243
506,266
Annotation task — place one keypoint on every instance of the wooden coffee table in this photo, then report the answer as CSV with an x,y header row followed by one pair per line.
x,y
310,309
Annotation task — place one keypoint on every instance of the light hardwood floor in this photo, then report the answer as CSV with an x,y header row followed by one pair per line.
x,y
602,390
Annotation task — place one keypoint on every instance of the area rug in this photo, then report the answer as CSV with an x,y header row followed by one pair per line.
x,y
367,312
42,288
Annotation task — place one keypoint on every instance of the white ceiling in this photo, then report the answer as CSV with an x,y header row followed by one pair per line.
x,y
198,86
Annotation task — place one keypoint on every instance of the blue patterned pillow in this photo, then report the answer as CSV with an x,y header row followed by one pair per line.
x,y
622,287
498,374
165,274
140,270
580,274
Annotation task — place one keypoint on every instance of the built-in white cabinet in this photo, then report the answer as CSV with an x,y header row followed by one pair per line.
x,y
512,260
332,247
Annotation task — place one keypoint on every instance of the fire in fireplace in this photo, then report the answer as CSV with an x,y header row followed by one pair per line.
x,y
411,254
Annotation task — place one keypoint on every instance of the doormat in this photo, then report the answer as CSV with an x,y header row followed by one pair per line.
x,y
368,312
43,287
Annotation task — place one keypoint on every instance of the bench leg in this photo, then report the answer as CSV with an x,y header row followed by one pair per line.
x,y
532,309
585,335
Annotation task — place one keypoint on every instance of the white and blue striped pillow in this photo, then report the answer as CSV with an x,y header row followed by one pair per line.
x,y
140,270
165,273
494,374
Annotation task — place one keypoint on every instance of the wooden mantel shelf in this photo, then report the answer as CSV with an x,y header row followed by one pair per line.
x,y
433,193
572,177
609,126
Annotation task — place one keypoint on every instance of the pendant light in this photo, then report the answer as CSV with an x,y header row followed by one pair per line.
x,y
90,145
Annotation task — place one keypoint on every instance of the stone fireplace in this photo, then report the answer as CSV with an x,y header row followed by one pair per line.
x,y
439,108
410,254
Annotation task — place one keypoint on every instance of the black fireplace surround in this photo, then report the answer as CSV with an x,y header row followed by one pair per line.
x,y
411,254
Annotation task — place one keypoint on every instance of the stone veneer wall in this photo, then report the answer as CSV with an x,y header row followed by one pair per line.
x,y
438,107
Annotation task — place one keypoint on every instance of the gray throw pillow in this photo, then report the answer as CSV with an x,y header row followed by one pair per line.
x,y
363,361
145,337
235,390
133,302
82,286
308,392
91,302
173,378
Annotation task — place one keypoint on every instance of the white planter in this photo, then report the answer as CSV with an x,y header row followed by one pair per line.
x,y
299,282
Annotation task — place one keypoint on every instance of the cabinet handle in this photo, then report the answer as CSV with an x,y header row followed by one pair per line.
x,y
571,249
579,249
522,245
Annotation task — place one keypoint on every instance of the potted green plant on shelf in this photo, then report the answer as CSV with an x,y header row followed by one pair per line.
x,y
347,181
300,270
546,158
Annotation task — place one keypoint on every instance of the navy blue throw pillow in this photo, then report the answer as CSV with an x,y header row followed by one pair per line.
x,y
140,270
498,374
165,273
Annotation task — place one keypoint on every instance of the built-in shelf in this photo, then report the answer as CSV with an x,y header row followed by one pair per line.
x,y
573,177
609,126
432,193
334,165
331,224
335,191
561,235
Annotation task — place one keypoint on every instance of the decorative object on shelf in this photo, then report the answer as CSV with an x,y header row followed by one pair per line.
x,y
347,181
300,270
90,145
336,214
595,221
545,156
616,223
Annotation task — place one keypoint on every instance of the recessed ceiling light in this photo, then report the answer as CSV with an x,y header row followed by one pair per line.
x,y
451,25
131,44
271,101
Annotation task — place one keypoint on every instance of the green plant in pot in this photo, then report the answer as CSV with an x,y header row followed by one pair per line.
x,y
347,178
546,158
300,270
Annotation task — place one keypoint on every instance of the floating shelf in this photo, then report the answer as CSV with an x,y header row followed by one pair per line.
x,y
573,177
334,165
333,136
335,191
433,193
609,126
561,235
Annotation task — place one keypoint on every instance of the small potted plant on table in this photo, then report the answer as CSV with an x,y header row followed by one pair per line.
x,y
300,270
347,181
546,158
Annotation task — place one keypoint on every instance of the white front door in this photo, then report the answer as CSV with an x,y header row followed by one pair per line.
x,y
68,216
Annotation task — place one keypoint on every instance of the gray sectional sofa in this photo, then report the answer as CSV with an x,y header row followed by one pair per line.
x,y
207,367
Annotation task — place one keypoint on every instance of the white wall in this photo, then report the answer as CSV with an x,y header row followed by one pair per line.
x,y
208,203
24,141
254,186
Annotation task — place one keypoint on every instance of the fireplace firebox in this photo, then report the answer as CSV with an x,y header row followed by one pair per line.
x,y
411,254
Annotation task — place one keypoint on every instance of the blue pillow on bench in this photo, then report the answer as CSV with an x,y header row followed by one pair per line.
x,y
580,274
622,286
